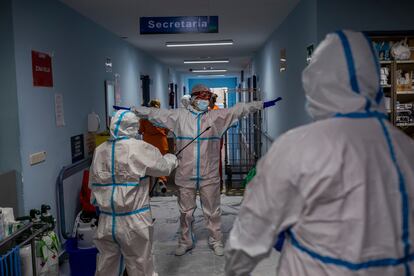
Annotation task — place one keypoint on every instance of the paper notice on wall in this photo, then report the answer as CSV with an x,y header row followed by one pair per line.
x,y
60,116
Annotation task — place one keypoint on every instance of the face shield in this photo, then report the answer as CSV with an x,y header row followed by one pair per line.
x,y
200,100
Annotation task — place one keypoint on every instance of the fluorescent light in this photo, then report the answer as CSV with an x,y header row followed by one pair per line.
x,y
206,61
199,43
209,70
203,76
282,59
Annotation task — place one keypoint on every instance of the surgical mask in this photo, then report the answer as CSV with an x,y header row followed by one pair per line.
x,y
202,105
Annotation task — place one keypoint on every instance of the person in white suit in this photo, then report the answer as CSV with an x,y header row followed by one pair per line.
x,y
198,170
341,188
120,189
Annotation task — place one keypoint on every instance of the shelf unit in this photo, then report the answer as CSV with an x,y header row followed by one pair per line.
x,y
405,61
399,97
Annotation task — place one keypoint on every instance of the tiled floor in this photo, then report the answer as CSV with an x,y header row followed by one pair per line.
x,y
200,261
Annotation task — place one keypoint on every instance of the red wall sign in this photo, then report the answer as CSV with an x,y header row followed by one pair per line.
x,y
42,69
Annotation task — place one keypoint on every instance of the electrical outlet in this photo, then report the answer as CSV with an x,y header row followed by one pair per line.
x,y
37,158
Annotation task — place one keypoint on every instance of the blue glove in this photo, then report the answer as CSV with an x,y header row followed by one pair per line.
x,y
121,108
98,211
280,241
271,103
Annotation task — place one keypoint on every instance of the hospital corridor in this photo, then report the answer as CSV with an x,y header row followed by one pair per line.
x,y
206,138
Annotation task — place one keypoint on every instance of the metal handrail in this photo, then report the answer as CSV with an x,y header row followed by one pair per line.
x,y
15,234
248,149
36,230
242,90
65,173
264,133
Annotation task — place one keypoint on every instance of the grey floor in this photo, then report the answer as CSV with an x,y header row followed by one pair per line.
x,y
200,261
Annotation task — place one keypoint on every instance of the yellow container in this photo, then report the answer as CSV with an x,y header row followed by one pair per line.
x,y
101,138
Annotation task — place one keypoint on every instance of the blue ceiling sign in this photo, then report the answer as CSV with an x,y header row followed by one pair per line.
x,y
178,24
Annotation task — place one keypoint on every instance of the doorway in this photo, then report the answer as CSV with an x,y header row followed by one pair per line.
x,y
145,84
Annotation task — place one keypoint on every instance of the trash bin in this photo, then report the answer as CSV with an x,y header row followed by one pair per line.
x,y
82,261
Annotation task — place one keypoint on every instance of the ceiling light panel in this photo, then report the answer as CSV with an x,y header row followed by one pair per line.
x,y
203,76
200,43
209,70
206,61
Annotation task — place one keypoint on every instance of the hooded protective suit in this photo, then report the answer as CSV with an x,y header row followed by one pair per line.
x,y
120,189
185,100
341,187
199,162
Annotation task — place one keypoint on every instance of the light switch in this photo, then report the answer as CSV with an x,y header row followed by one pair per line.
x,y
37,158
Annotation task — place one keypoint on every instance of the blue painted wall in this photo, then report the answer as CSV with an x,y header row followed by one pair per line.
x,y
308,24
79,48
294,34
9,138
213,82
9,120
366,15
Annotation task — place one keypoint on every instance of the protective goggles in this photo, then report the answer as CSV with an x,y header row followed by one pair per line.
x,y
202,95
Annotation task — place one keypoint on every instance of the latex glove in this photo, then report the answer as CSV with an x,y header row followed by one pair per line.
x,y
271,103
172,159
116,107
280,241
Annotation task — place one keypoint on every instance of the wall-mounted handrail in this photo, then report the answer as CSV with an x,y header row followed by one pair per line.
x,y
65,173
25,235
265,134
15,234
246,146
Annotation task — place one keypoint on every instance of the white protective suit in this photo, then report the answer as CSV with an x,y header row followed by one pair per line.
x,y
121,191
199,162
342,187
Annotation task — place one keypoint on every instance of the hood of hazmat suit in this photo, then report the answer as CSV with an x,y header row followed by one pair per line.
x,y
341,187
185,100
120,188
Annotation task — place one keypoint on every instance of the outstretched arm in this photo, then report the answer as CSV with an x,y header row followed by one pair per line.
x,y
228,117
224,118
161,117
271,205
